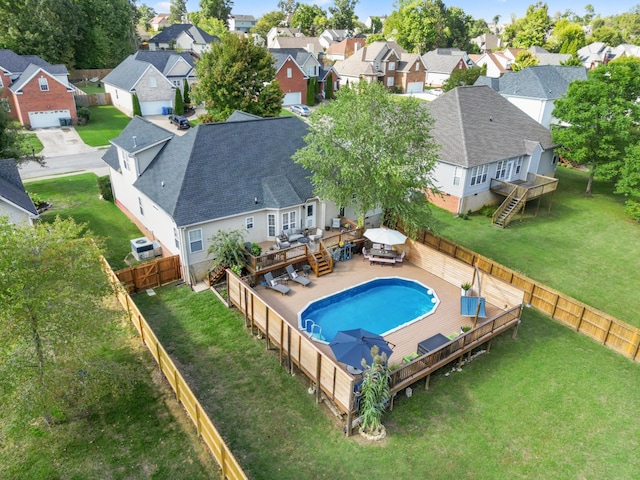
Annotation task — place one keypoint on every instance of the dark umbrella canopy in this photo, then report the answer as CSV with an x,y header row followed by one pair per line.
x,y
351,346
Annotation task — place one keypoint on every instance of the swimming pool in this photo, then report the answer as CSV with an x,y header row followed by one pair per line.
x,y
381,306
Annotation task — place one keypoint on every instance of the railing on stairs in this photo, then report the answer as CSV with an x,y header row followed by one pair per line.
x,y
514,202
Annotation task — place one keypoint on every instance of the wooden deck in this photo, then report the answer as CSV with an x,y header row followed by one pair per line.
x,y
446,319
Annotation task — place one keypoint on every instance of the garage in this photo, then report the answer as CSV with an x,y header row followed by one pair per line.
x,y
50,118
153,108
292,98
415,87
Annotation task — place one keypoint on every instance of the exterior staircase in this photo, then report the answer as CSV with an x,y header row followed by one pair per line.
x,y
323,266
216,275
510,207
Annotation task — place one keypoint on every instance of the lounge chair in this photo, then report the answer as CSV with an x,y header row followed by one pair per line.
x,y
293,275
469,306
273,284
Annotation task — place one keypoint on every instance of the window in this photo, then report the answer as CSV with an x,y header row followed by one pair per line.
x,y
248,223
271,223
125,162
288,221
44,84
456,176
502,169
392,65
176,237
390,82
152,82
417,66
289,73
479,174
518,165
555,159
140,206
177,83
195,240
1,84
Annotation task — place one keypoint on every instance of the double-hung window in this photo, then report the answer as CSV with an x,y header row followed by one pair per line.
x,y
249,223
195,240
271,224
479,174
44,84
456,176
288,221
502,169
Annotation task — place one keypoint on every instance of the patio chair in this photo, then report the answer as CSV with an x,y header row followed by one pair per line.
x,y
469,306
335,223
293,275
282,243
273,284
314,237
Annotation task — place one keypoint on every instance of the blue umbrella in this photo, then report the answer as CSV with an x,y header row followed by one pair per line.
x,y
351,346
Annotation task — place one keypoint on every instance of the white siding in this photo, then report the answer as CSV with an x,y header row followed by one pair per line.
x,y
16,215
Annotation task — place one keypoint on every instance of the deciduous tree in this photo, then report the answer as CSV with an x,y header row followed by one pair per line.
x,y
211,25
524,59
343,14
460,77
237,75
177,10
220,9
311,19
368,149
14,144
268,21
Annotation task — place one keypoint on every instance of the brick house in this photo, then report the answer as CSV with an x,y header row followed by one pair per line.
x,y
291,75
38,93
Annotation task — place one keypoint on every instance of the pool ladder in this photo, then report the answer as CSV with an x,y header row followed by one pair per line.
x,y
313,330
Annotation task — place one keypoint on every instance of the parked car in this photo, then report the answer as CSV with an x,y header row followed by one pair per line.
x,y
301,110
179,121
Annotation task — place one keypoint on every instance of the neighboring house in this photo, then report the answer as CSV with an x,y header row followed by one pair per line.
x,y
384,62
325,76
485,143
38,94
595,54
496,63
330,37
294,67
626,50
546,58
282,32
159,22
183,37
369,21
442,62
241,23
345,48
15,203
153,76
535,89
487,42
234,175
310,44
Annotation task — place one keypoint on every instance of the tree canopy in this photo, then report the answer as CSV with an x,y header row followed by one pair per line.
x,y
523,60
14,144
220,9
460,77
234,75
530,30
368,149
52,303
601,114
177,10
343,14
311,19
268,21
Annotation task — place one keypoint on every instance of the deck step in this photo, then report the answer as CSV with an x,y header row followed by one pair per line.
x,y
323,267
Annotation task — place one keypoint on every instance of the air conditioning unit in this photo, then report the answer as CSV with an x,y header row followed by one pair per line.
x,y
143,248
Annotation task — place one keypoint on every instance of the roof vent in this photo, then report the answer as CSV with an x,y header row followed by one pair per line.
x,y
135,143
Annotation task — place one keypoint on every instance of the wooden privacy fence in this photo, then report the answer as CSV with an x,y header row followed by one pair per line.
x,y
609,331
151,274
230,468
91,99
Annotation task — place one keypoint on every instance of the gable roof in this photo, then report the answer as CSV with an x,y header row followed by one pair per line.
x,y
12,188
544,81
443,60
298,42
214,171
164,60
173,31
346,47
299,55
16,64
126,75
31,71
362,62
475,125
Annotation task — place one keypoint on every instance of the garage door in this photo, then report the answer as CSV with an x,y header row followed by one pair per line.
x,y
415,87
292,98
47,119
153,108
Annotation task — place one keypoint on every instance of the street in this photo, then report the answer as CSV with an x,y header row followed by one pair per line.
x,y
65,165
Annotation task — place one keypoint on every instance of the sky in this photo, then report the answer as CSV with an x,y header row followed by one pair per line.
x,y
486,9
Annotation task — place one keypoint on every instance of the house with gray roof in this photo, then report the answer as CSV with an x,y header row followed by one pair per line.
x,y
153,76
485,143
15,203
534,90
234,175
38,93
183,37
442,62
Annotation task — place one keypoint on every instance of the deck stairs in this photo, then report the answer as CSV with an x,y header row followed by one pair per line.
x,y
323,266
513,204
216,275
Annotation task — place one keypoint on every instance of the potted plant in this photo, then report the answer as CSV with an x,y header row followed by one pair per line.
x,y
464,289
465,328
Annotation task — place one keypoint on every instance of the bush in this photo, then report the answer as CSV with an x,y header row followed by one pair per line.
x,y
104,185
256,249
84,113
488,210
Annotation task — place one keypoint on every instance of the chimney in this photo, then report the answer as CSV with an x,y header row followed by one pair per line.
x,y
310,47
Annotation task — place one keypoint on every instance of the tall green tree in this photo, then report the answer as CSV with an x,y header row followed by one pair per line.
x,y
343,14
629,181
13,144
53,292
367,149
567,37
178,104
268,21
137,109
460,77
530,30
145,14
311,19
237,75
186,96
523,60
177,10
288,6
211,25
220,9
602,117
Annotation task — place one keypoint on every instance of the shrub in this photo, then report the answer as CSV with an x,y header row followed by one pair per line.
x,y
85,113
256,249
488,210
137,110
178,108
104,185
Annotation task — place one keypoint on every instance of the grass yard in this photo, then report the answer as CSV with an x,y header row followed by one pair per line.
x,y
138,436
106,123
77,196
545,406
585,247
90,87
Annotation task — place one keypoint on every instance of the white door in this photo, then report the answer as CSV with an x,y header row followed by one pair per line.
x,y
47,119
292,98
310,220
415,87
154,108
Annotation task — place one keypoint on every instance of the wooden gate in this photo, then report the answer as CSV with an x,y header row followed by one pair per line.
x,y
151,274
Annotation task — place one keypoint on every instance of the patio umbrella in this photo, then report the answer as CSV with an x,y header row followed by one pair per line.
x,y
385,236
351,346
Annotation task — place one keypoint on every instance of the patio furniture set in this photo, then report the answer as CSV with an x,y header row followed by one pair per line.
x,y
302,236
280,284
382,255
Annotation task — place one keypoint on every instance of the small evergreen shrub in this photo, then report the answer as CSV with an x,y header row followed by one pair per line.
x,y
488,210
104,185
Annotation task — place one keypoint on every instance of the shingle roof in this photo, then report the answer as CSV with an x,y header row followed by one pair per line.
x,y
173,31
544,82
129,71
300,42
28,74
299,55
442,60
12,188
216,170
475,125
164,60
15,63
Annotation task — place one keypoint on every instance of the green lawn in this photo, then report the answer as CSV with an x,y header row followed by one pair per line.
x,y
90,87
585,247
544,406
77,196
32,140
106,123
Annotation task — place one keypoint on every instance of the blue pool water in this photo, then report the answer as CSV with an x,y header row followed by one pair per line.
x,y
381,306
